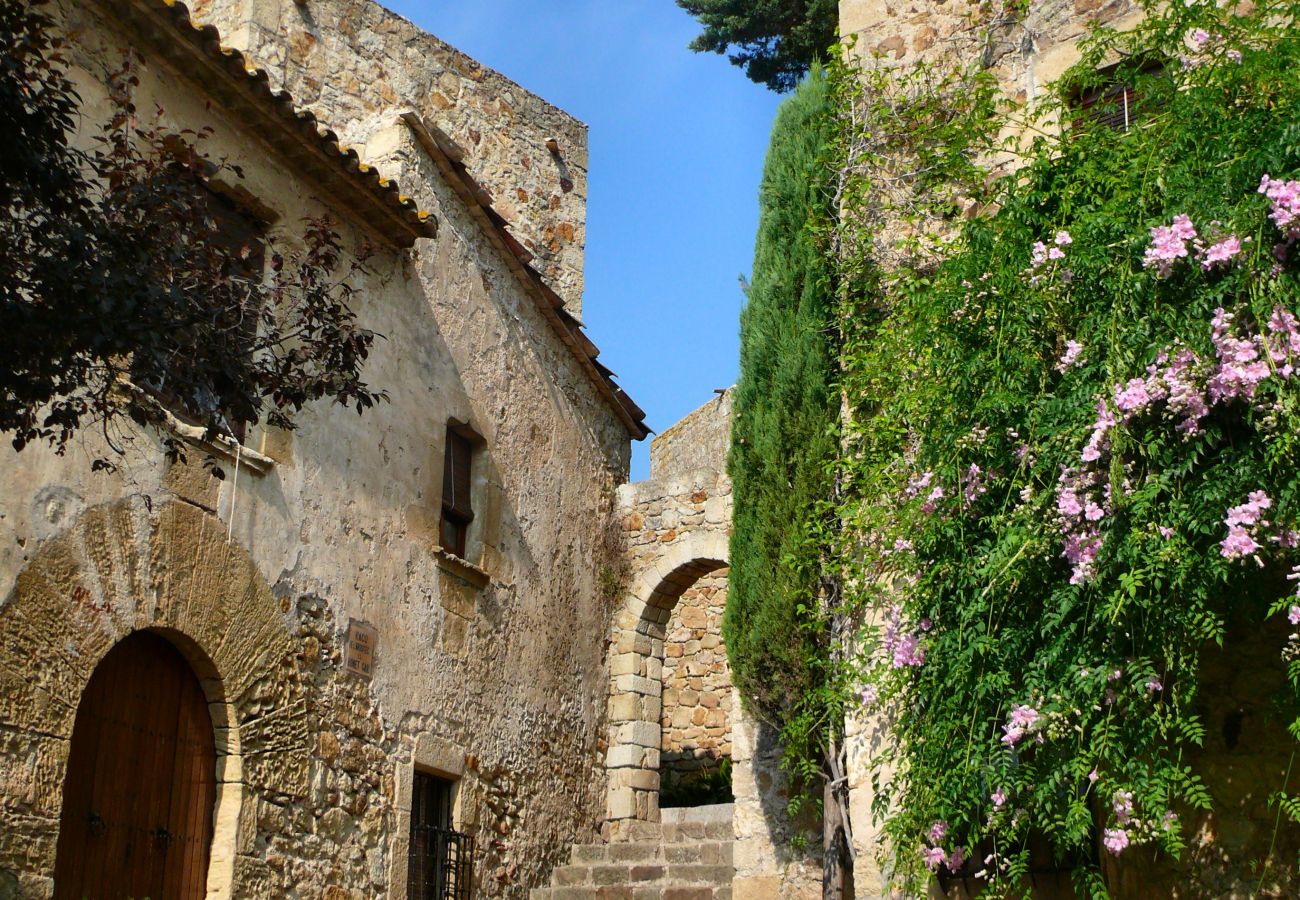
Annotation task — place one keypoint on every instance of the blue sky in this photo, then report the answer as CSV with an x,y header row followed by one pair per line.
x,y
676,144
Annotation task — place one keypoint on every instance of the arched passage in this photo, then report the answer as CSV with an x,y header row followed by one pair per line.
x,y
141,786
636,666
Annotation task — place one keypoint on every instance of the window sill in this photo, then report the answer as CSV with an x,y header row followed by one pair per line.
x,y
222,446
452,563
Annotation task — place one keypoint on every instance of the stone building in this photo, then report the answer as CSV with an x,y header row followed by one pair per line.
x,y
1028,47
313,676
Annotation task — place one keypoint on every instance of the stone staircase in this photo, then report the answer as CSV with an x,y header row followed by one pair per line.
x,y
686,856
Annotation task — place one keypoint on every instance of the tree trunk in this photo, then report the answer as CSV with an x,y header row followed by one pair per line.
x,y
837,850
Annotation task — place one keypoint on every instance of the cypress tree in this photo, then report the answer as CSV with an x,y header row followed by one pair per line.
x,y
783,440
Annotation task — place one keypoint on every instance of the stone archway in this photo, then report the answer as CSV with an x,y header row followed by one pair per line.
x,y
120,568
636,665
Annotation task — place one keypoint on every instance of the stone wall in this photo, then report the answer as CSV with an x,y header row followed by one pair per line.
x,y
1028,50
698,441
357,65
490,670
675,531
697,700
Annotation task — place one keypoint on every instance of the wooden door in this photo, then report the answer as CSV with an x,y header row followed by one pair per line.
x,y
141,780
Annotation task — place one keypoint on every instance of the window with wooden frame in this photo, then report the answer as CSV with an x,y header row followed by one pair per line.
x,y
458,488
1118,101
238,243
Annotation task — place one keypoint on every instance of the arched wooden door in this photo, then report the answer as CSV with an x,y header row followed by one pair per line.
x,y
141,781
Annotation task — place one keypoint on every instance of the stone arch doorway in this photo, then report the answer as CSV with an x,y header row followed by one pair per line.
x,y
117,569
140,788
636,669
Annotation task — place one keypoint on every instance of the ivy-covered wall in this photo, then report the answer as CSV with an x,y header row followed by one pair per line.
x,y
1069,472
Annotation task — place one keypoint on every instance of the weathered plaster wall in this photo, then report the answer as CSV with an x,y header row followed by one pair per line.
x,y
356,65
697,707
499,679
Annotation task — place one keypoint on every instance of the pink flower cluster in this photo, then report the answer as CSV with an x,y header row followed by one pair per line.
x,y
1243,523
1115,840
1241,363
1122,803
902,642
1079,507
974,484
1222,253
1042,254
1168,245
1070,358
1284,341
1022,721
1285,196
935,856
922,484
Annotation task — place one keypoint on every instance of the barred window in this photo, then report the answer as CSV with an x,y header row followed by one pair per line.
x,y
440,865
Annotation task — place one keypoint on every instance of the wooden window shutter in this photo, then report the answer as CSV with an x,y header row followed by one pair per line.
x,y
456,483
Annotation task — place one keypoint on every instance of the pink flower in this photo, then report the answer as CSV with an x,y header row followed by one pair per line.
x,y
1063,239
933,857
1250,512
1021,722
1154,686
870,696
1132,398
1285,196
1238,544
1115,840
999,798
1070,357
938,831
1199,38
1093,776
1293,615
1240,367
1221,253
1168,245
956,859
919,483
1165,533
1122,803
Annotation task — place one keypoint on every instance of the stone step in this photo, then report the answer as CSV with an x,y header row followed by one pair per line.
x,y
631,892
676,832
683,873
703,851
686,856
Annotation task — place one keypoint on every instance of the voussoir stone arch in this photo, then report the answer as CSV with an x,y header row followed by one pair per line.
x,y
677,531
118,568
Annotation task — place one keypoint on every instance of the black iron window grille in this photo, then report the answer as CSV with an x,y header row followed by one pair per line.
x,y
442,864
441,861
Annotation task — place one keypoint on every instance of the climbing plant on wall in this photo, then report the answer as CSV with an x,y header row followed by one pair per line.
x,y
1072,462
